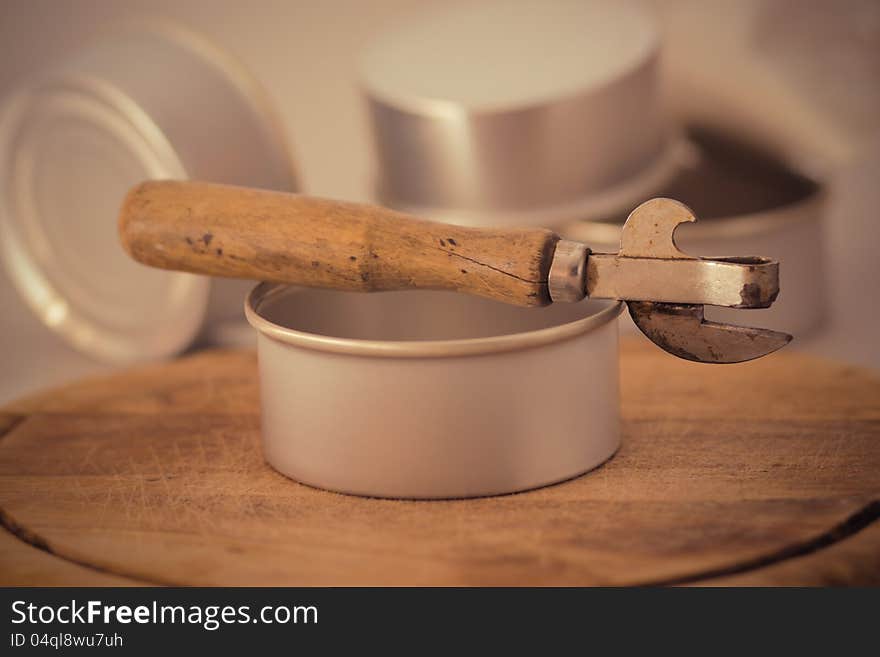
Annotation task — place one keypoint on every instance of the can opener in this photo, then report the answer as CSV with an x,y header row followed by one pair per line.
x,y
289,238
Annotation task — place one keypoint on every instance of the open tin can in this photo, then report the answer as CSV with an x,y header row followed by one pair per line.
x,y
433,394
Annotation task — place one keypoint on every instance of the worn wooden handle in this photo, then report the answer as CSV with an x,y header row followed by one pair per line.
x,y
288,238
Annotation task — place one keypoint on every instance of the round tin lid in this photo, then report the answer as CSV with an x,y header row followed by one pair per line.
x,y
496,55
72,142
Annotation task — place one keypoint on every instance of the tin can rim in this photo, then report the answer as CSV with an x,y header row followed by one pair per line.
x,y
416,348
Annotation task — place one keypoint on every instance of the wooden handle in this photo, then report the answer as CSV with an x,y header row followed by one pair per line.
x,y
288,238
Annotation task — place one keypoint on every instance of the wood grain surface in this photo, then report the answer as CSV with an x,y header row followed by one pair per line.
x,y
27,565
290,238
761,473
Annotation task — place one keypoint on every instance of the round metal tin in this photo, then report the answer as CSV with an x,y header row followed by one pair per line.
x,y
433,394
518,112
146,101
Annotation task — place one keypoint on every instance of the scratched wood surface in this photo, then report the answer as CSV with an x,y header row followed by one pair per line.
x,y
761,473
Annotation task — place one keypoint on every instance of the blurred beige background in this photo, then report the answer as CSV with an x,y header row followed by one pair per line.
x,y
803,57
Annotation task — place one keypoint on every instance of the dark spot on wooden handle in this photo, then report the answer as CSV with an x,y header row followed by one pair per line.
x,y
206,238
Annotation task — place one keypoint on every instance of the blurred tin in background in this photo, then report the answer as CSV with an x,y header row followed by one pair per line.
x,y
144,101
520,112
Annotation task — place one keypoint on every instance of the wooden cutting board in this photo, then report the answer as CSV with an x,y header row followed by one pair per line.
x,y
761,473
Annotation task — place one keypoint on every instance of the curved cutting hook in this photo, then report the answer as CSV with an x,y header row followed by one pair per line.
x,y
681,330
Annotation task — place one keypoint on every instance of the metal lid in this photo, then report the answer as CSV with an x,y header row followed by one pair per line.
x,y
146,102
518,106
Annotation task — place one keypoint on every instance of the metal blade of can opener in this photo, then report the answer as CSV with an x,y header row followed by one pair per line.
x,y
665,289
